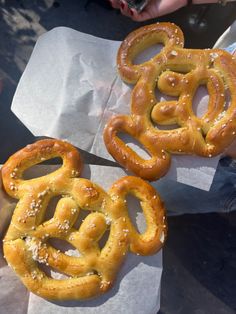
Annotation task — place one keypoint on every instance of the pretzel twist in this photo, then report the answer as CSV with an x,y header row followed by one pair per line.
x,y
27,241
175,71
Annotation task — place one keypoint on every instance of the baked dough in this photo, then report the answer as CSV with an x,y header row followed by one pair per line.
x,y
27,241
178,72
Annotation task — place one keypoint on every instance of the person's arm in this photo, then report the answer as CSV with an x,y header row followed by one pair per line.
x,y
156,8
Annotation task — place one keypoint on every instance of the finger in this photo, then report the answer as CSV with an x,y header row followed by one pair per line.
x,y
124,8
149,12
139,17
115,3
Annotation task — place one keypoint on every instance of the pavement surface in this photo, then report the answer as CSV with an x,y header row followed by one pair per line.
x,y
200,254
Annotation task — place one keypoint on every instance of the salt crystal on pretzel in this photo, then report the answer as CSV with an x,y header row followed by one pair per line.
x,y
27,241
175,71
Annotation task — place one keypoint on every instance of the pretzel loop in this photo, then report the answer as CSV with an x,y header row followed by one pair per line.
x,y
29,240
127,156
36,153
139,40
146,242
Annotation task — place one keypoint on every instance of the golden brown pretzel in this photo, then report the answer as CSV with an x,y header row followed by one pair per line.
x,y
176,71
26,244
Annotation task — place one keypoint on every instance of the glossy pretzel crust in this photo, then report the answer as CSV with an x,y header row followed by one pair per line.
x,y
27,245
175,71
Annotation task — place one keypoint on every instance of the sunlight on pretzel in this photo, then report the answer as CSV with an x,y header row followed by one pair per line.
x,y
27,246
175,71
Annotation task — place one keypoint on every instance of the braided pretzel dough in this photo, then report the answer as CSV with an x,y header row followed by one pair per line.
x,y
176,71
26,242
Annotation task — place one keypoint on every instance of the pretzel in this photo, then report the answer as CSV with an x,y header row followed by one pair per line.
x,y
26,244
175,71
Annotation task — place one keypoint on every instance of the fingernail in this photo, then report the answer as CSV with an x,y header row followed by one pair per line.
x,y
122,5
131,12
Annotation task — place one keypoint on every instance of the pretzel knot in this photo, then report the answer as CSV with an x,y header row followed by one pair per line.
x,y
178,72
27,242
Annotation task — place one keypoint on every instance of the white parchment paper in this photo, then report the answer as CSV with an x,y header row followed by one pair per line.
x,y
70,88
138,280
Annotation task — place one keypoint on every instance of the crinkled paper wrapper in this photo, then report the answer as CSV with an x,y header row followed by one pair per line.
x,y
136,289
70,88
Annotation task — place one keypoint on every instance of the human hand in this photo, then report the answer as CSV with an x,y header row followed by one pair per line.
x,y
154,8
